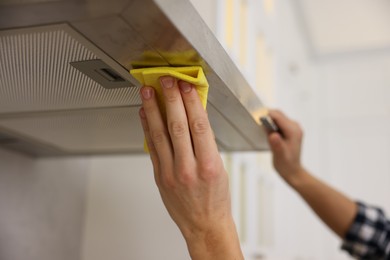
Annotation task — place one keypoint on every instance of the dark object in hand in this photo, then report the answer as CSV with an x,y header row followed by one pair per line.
x,y
269,124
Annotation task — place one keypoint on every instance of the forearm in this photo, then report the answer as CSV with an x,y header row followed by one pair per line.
x,y
214,244
335,209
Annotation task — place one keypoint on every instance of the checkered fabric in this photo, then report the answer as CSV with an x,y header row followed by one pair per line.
x,y
369,235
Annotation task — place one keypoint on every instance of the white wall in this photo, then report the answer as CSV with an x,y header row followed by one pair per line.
x,y
83,208
356,126
41,207
125,217
356,116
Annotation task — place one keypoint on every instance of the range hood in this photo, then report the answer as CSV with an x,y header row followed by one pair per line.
x,y
65,88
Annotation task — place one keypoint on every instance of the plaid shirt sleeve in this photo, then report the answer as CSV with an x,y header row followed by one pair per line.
x,y
369,235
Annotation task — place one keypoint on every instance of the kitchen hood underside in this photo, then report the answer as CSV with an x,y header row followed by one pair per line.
x,y
64,82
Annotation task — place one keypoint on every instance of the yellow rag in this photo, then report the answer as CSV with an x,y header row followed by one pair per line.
x,y
151,77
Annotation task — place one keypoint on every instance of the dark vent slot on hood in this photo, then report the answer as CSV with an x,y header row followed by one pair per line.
x,y
103,74
110,75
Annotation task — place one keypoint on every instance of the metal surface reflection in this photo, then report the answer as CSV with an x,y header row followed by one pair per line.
x,y
142,33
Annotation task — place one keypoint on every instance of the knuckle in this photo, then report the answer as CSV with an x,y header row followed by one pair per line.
x,y
200,126
186,178
298,129
150,144
168,182
157,137
191,100
208,170
186,174
177,128
171,97
208,167
276,112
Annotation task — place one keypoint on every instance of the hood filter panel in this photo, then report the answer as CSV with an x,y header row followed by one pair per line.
x,y
36,75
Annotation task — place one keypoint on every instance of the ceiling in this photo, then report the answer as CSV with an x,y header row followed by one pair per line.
x,y
345,26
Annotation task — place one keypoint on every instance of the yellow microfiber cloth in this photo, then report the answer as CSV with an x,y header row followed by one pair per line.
x,y
151,77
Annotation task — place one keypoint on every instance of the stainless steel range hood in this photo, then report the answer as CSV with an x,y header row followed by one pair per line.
x,y
64,82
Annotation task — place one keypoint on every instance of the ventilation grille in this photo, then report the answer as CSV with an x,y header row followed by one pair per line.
x,y
35,74
115,130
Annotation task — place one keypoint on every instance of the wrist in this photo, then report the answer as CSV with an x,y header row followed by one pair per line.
x,y
218,241
298,178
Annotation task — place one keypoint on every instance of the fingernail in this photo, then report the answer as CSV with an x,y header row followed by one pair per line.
x,y
142,113
146,92
167,82
185,86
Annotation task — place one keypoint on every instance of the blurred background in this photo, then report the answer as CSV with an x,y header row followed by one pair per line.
x,y
326,64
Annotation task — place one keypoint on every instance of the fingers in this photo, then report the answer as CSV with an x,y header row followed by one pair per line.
x,y
156,129
177,120
201,133
276,143
152,150
187,135
286,125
